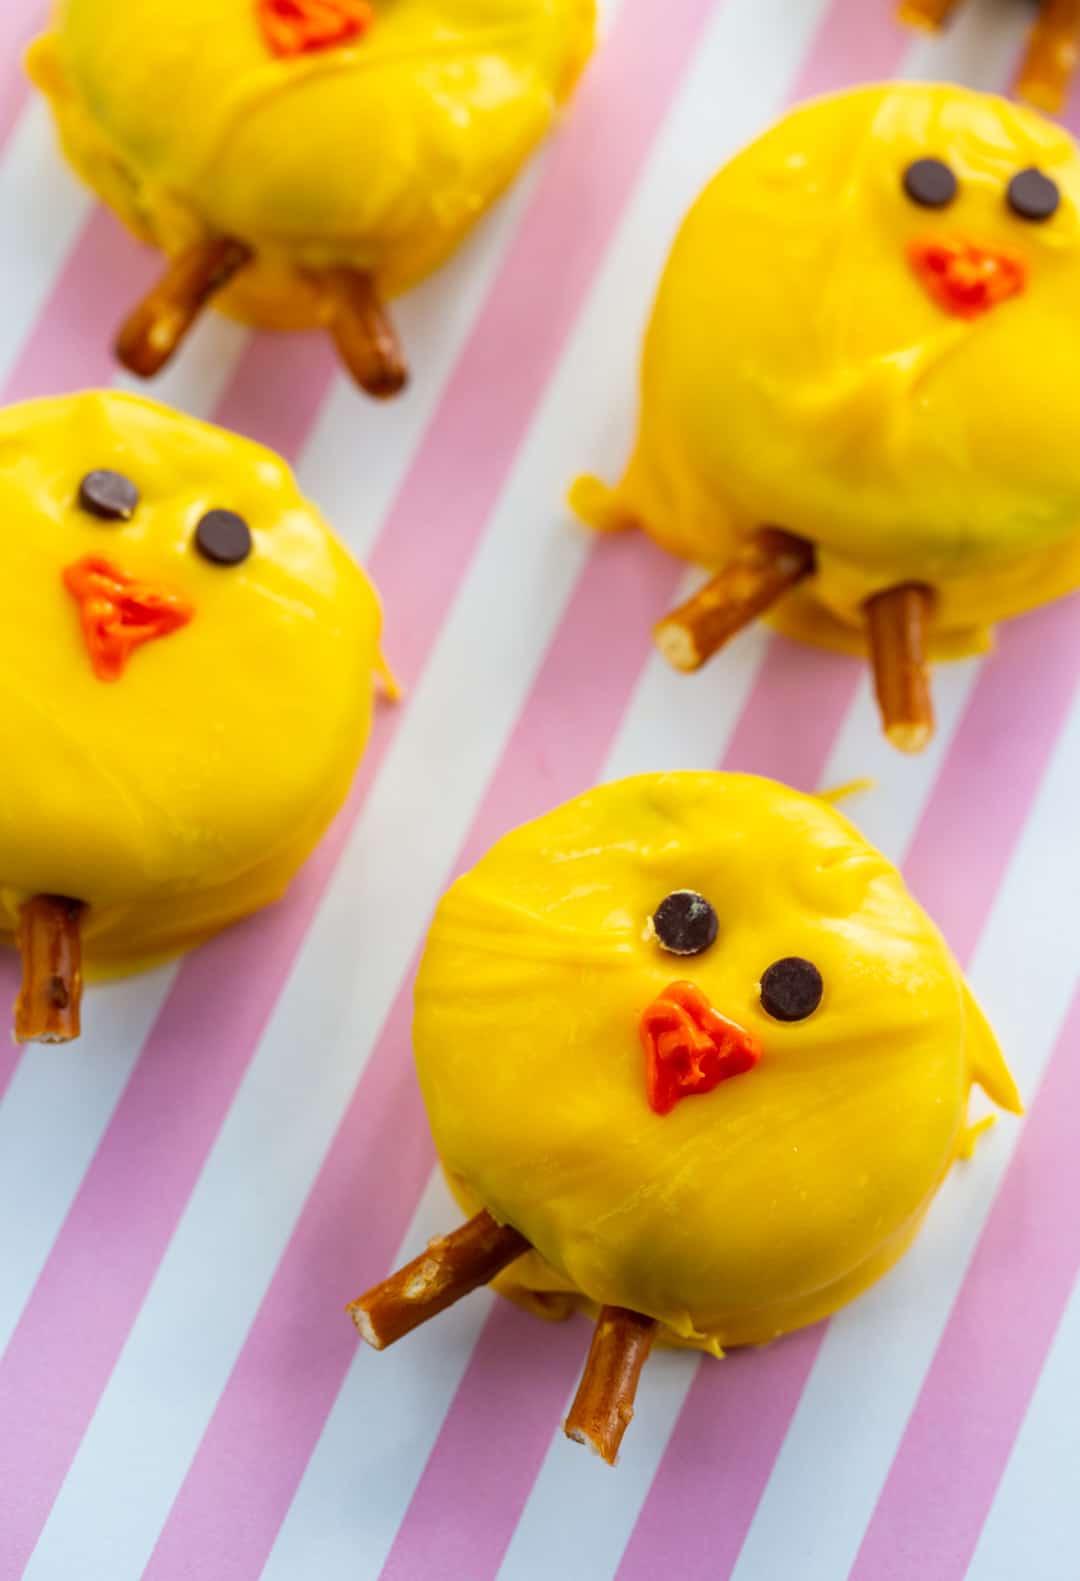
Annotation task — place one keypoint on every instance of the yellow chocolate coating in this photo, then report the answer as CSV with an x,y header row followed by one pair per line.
x,y
796,373
377,155
186,794
782,1194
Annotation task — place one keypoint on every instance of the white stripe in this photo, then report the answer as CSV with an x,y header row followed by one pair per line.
x,y
685,721
222,1257
44,210
1035,1519
53,1114
888,812
876,1353
980,48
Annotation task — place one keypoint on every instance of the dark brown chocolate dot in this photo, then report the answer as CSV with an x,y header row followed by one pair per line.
x,y
109,496
791,989
1033,196
685,923
223,537
930,183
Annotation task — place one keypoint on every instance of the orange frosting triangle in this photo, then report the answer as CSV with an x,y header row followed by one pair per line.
x,y
297,27
119,614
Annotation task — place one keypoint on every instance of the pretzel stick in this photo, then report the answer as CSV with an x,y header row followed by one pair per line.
x,y
453,1266
899,623
364,333
763,569
1051,54
47,1009
148,338
603,1407
926,13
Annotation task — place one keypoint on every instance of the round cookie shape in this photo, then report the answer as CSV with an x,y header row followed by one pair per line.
x,y
178,733
324,154
863,344
747,1207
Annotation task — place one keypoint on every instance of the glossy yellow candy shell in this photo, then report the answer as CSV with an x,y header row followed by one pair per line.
x,y
188,792
796,373
769,1202
378,155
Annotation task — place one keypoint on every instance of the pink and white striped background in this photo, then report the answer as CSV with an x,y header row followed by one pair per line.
x,y
190,1197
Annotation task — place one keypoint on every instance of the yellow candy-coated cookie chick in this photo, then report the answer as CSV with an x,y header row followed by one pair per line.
x,y
690,1047
858,385
187,679
322,155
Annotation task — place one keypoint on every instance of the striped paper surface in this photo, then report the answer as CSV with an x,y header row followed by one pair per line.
x,y
189,1197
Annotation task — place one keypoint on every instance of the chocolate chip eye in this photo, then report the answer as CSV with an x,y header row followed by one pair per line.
x,y
1032,196
791,989
108,495
685,923
223,538
930,183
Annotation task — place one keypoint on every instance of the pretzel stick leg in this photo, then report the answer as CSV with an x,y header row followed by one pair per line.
x,y
1051,56
926,13
603,1407
453,1266
765,567
153,332
47,1009
899,622
364,334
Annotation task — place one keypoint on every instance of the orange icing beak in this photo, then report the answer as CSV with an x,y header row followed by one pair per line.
x,y
690,1048
298,27
964,279
119,614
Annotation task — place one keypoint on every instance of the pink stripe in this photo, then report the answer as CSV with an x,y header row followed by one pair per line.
x,y
20,21
494,1440
277,388
70,347
857,43
424,549
732,1423
269,1417
9,987
1071,113
978,1390
798,703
